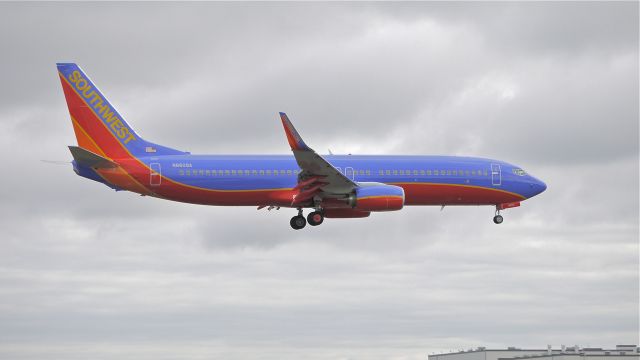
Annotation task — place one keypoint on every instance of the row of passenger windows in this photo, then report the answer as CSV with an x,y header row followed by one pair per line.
x,y
387,172
435,172
237,172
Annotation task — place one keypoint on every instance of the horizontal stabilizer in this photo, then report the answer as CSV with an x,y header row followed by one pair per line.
x,y
87,158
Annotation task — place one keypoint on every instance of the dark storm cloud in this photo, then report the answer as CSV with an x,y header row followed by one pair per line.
x,y
552,87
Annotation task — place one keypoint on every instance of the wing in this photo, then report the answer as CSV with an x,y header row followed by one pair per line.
x,y
318,176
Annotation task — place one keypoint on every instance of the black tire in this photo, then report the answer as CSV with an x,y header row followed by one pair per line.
x,y
498,219
298,222
315,218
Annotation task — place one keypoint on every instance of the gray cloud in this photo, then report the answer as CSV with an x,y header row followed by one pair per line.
x,y
552,87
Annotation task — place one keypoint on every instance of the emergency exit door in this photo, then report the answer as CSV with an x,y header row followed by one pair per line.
x,y
155,176
496,175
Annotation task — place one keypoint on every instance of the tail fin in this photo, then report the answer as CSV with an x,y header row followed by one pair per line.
x,y
98,126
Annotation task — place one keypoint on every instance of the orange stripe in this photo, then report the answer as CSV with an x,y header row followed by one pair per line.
x,y
102,153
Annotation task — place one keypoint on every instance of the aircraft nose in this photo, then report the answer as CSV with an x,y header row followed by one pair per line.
x,y
537,187
542,186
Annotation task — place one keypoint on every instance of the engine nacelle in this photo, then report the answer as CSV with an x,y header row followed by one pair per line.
x,y
377,197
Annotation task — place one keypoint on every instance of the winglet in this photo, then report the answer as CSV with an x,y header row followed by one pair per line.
x,y
295,141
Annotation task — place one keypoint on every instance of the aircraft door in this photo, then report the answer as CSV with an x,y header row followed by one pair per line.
x,y
496,175
348,172
155,175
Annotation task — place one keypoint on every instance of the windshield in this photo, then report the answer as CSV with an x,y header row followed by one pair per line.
x,y
519,172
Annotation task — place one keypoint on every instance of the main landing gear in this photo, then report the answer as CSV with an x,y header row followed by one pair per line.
x,y
314,218
498,219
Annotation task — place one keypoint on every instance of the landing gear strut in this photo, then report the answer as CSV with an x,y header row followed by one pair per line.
x,y
498,218
315,218
298,222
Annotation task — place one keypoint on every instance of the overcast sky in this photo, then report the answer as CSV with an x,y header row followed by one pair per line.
x,y
553,87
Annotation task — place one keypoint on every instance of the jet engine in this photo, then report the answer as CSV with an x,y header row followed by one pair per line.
x,y
377,197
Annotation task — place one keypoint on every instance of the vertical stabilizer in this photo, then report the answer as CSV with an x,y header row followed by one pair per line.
x,y
98,126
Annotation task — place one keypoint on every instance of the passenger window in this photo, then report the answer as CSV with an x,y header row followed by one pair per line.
x,y
428,172
466,172
268,172
454,172
473,172
188,172
448,172
401,172
395,172
415,172
442,172
261,172
368,172
361,172
181,172
388,172
288,172
208,172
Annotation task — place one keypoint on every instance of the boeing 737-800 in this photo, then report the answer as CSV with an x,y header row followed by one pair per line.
x,y
332,186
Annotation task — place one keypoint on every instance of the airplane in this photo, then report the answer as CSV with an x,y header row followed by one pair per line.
x,y
109,151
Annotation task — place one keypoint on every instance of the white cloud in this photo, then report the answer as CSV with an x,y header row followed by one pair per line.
x,y
540,85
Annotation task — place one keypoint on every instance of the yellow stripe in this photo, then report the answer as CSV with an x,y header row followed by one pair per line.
x,y
254,190
143,164
380,196
89,137
461,185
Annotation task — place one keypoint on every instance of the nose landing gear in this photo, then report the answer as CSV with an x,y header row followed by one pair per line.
x,y
498,219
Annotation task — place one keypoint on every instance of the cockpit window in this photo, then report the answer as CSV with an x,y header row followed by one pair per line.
x,y
519,172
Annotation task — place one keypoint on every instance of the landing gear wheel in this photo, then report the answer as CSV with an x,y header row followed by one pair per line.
x,y
298,222
498,219
315,218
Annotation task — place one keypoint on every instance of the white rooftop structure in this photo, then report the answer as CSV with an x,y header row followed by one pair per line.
x,y
621,352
